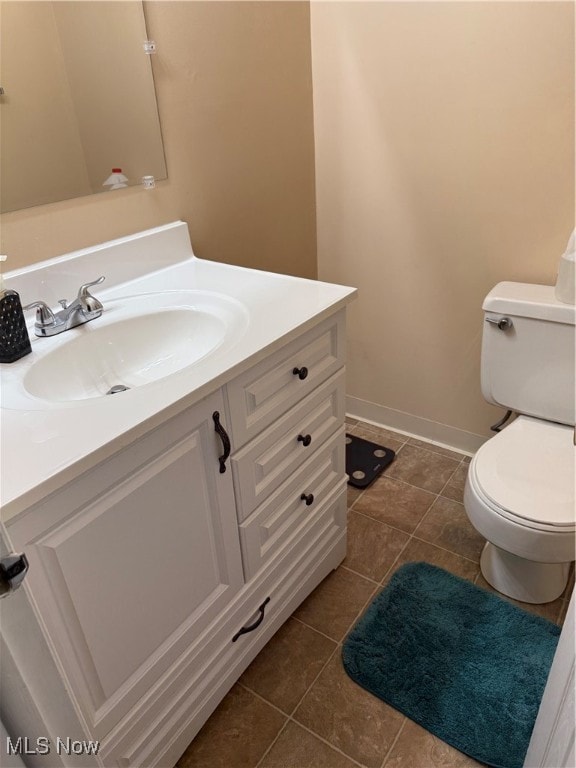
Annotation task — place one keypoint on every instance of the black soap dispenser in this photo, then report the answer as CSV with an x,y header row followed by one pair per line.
x,y
14,339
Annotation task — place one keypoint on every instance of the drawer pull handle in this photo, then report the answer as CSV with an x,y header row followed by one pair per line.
x,y
300,372
255,625
308,498
225,441
305,440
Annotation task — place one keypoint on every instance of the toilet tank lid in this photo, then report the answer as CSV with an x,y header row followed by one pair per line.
x,y
529,300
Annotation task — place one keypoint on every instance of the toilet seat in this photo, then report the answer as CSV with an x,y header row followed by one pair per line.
x,y
526,474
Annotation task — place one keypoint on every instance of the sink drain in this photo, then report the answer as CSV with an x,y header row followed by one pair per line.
x,y
117,388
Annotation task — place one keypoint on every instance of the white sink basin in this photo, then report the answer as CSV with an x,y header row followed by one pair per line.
x,y
137,340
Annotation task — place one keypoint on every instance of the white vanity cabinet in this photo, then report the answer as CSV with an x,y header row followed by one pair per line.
x,y
133,561
156,577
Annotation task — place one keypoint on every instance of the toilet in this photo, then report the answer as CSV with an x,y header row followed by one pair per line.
x,y
519,493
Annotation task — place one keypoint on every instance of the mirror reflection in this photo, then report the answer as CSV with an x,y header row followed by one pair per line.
x,y
78,101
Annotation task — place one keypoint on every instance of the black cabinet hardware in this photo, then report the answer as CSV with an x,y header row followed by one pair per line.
x,y
225,441
300,372
308,498
305,440
255,625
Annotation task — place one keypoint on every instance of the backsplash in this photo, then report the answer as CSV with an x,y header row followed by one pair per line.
x,y
118,260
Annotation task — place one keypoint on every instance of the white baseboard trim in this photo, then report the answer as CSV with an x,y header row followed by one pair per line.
x,y
415,426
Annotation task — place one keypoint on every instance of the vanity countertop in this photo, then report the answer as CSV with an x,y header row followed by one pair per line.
x,y
45,445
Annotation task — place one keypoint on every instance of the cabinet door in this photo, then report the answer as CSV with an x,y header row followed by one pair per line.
x,y
127,581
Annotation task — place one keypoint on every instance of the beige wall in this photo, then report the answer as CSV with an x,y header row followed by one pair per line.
x,y
235,98
444,164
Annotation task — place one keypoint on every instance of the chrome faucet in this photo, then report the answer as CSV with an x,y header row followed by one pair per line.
x,y
84,308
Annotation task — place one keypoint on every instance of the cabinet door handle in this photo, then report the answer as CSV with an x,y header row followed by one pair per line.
x,y
305,440
300,372
225,441
308,498
255,625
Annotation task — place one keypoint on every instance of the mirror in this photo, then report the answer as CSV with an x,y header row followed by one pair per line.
x,y
78,100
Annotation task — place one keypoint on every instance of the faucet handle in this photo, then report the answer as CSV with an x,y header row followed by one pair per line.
x,y
44,315
83,290
88,302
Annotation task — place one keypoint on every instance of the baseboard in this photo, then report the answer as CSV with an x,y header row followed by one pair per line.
x,y
415,426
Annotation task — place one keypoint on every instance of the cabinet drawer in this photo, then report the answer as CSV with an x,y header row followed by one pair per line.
x,y
267,390
272,457
294,507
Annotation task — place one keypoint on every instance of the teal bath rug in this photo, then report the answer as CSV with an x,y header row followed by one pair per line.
x,y
463,663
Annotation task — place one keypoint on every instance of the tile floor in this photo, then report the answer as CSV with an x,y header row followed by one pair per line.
x,y
295,707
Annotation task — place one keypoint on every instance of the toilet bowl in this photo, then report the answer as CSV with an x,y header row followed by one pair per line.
x,y
519,495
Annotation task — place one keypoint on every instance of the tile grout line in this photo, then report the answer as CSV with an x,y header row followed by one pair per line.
x,y
289,720
339,646
357,573
413,534
290,717
309,626
387,755
376,585
460,462
450,478
444,549
328,744
436,494
393,565
301,699
410,536
280,732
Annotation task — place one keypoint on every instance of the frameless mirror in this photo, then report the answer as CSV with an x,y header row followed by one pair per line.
x,y
77,100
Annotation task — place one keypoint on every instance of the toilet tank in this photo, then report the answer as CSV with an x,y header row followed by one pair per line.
x,y
529,367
